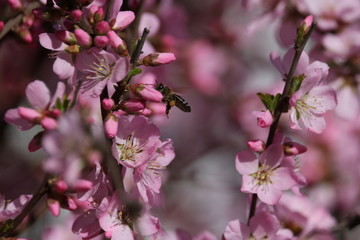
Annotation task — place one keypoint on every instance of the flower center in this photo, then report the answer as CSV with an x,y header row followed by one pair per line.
x,y
129,149
262,176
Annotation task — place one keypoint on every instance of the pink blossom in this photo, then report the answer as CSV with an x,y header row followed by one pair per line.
x,y
42,111
256,145
263,175
118,223
304,214
262,225
136,141
102,69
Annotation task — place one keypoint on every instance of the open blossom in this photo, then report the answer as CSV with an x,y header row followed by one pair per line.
x,y
119,223
136,141
314,97
263,175
263,225
42,107
102,69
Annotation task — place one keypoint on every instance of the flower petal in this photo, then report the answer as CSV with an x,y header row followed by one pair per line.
x,y
38,94
63,66
246,162
272,156
283,178
269,194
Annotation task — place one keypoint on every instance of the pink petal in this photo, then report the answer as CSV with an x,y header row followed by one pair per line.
x,y
272,156
12,117
150,21
122,232
59,93
262,224
115,8
246,162
123,19
120,70
63,66
38,94
248,184
283,178
324,99
269,194
50,41
236,230
147,225
276,61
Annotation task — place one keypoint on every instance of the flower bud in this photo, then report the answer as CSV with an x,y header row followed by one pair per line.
x,y
99,15
1,26
35,143
66,37
293,148
54,206
256,145
117,44
155,59
83,38
102,28
307,23
107,104
122,20
76,15
24,33
60,186
101,41
147,92
111,125
134,105
264,118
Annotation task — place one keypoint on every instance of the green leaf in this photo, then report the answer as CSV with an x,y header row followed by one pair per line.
x,y
270,101
134,72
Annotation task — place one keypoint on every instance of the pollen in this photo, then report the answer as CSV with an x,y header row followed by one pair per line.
x,y
263,175
129,149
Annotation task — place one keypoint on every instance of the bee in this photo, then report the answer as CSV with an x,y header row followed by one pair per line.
x,y
172,99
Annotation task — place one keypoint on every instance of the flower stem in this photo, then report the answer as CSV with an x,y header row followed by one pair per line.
x,y
283,102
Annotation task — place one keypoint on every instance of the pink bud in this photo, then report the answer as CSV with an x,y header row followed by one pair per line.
x,y
35,143
83,38
146,112
71,205
24,33
117,44
99,15
155,59
108,234
111,125
293,148
92,11
55,113
54,207
256,145
76,15
29,114
82,185
107,104
28,20
102,27
66,37
101,41
60,186
1,26
264,118
48,123
134,105
15,4
147,92
307,23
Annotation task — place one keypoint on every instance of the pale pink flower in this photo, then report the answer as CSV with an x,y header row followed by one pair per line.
x,y
302,213
263,175
262,225
42,111
101,69
136,141
120,224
